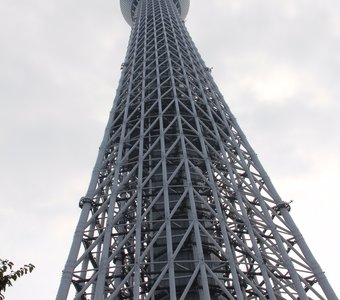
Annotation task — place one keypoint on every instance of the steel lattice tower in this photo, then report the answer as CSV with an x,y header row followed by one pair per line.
x,y
179,206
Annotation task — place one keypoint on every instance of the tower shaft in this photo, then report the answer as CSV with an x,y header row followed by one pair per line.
x,y
178,206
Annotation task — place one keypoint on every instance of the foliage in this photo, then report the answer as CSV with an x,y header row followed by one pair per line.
x,y
8,275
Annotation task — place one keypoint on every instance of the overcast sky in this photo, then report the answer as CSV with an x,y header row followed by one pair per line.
x,y
276,62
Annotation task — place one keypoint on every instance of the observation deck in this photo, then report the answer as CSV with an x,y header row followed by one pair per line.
x,y
128,8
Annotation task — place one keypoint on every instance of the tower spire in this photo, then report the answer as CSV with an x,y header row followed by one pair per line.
x,y
179,206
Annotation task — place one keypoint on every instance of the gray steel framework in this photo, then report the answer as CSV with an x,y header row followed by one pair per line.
x,y
179,206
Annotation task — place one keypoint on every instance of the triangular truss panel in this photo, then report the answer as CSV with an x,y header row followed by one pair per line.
x,y
179,207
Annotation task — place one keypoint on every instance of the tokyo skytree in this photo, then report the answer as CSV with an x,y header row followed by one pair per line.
x,y
178,205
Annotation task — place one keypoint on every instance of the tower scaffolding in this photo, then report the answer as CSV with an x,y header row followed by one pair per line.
x,y
179,206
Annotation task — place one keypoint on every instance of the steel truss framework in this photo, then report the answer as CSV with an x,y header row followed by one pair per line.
x,y
179,207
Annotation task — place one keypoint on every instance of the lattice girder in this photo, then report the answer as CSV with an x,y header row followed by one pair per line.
x,y
179,206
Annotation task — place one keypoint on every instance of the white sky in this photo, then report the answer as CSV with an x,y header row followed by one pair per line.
x,y
276,62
